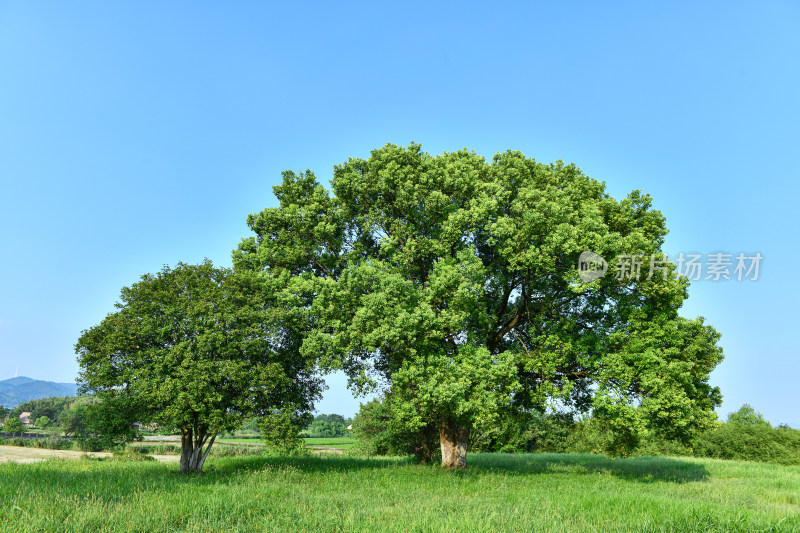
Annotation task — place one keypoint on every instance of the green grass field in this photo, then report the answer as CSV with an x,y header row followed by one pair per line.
x,y
496,493
342,443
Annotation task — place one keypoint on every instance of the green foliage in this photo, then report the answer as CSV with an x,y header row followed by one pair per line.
x,y
327,426
130,456
73,422
53,408
747,416
377,433
454,282
754,442
196,348
281,431
52,443
13,425
109,423
747,436
157,448
525,431
48,443
43,422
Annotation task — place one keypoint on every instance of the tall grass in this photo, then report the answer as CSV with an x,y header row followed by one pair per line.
x,y
496,492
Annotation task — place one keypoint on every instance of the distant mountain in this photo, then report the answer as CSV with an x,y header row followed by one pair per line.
x,y
18,390
6,401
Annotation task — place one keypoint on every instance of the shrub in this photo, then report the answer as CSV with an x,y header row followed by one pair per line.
x,y
130,456
13,425
759,442
52,443
160,449
226,450
378,434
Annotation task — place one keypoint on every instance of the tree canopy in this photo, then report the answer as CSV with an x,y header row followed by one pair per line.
x,y
51,407
13,425
454,283
332,425
196,348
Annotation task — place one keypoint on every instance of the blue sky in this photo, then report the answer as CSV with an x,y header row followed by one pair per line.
x,y
141,135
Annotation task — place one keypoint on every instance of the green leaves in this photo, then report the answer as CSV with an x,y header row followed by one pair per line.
x,y
454,282
196,347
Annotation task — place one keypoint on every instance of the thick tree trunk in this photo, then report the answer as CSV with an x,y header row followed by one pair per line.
x,y
454,440
192,455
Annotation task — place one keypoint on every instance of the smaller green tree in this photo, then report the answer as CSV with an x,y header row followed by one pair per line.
x,y
195,348
747,416
281,431
109,423
43,422
73,422
13,425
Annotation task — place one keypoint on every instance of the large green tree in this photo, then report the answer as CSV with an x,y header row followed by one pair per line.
x,y
197,348
454,282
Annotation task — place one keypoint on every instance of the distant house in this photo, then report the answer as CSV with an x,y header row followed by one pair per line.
x,y
349,427
25,418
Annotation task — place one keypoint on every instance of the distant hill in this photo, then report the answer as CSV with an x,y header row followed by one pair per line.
x,y
18,390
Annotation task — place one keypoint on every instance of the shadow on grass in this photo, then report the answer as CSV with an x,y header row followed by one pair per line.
x,y
641,469
116,481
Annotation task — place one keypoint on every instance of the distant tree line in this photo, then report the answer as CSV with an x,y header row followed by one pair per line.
x,y
328,426
55,409
80,417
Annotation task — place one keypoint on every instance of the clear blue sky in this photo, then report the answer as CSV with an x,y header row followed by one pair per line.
x,y
141,135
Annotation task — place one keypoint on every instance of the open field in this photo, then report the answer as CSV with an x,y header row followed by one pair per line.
x,y
343,443
18,454
496,493
327,442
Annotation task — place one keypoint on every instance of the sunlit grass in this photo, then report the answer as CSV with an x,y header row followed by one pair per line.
x,y
332,442
497,492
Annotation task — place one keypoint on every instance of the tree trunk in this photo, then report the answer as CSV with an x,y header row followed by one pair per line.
x,y
454,440
192,455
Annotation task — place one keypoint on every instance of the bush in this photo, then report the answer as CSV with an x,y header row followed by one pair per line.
x,y
226,450
13,425
760,442
48,443
130,456
525,432
746,436
281,431
158,449
52,443
377,434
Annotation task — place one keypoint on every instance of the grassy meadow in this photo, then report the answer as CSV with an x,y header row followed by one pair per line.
x,y
343,443
497,492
